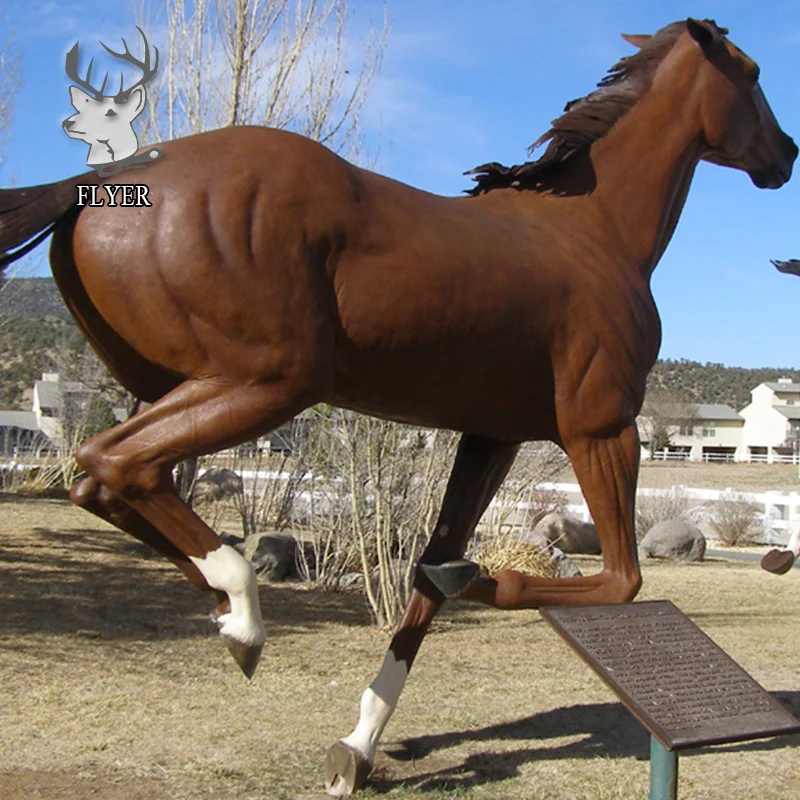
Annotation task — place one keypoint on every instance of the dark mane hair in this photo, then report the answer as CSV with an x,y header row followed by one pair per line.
x,y
587,119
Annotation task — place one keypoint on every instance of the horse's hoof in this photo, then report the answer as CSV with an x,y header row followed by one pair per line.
x,y
346,770
246,656
778,562
451,578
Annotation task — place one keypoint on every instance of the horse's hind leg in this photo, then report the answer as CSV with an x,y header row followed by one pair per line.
x,y
134,460
479,469
89,495
98,500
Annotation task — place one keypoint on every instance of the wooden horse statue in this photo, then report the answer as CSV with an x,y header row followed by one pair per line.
x,y
269,274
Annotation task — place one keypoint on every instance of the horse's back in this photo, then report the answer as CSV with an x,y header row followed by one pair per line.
x,y
226,266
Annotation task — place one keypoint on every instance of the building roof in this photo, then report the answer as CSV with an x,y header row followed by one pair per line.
x,y
776,386
716,411
51,392
699,411
790,412
18,419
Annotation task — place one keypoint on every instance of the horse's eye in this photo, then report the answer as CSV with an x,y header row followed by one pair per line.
x,y
111,113
755,75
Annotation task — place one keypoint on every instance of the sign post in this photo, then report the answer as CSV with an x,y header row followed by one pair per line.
x,y
684,689
663,772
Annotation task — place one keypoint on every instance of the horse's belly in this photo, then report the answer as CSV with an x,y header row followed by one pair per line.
x,y
500,398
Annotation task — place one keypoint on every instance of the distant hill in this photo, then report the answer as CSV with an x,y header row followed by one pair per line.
x,y
37,334
32,298
693,382
34,324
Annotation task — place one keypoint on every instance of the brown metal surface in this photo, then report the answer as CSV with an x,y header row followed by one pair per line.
x,y
680,685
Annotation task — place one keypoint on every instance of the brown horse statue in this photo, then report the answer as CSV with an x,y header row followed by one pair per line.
x,y
269,274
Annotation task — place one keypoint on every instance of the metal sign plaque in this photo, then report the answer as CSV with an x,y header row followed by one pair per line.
x,y
683,688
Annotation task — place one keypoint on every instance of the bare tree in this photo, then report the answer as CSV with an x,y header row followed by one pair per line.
x,y
663,415
520,502
279,63
10,80
391,480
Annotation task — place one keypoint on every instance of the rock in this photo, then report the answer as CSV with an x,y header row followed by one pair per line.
x,y
568,533
565,566
536,538
215,484
675,539
272,554
352,580
233,541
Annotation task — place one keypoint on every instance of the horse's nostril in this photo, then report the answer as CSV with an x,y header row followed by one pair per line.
x,y
68,123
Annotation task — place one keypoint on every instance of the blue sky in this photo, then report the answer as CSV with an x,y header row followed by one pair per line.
x,y
474,81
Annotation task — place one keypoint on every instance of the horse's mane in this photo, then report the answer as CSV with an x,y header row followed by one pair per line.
x,y
587,119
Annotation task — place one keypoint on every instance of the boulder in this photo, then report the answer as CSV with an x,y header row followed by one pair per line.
x,y
272,554
215,484
675,539
569,534
565,566
233,540
352,580
535,537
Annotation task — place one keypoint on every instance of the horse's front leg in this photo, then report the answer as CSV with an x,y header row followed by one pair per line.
x,y
479,469
606,466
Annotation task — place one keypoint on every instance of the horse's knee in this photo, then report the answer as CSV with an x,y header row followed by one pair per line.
x,y
98,499
84,493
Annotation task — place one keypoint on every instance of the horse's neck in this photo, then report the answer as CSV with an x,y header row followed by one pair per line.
x,y
644,167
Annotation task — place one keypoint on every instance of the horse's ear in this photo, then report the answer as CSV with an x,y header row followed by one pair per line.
x,y
636,39
701,32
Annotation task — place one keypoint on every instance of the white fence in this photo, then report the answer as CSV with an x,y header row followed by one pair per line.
x,y
780,511
725,458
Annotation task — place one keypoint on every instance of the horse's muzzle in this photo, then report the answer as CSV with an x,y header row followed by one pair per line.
x,y
779,172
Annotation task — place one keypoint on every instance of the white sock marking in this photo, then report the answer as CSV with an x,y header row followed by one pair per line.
x,y
228,571
377,706
794,542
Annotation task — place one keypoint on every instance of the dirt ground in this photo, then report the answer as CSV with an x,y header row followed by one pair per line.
x,y
112,688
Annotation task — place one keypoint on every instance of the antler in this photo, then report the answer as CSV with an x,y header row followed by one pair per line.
x,y
71,67
148,72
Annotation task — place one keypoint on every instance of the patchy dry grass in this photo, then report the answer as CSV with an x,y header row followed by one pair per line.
x,y
741,477
111,688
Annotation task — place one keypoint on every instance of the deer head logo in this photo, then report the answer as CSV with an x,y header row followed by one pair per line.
x,y
105,122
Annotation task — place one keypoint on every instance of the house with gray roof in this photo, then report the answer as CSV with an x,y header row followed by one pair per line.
x,y
20,433
696,432
772,423
766,430
39,431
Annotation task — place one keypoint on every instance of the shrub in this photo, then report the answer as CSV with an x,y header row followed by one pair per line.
x,y
542,502
651,510
735,520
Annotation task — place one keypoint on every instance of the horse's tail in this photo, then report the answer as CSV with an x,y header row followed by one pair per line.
x,y
29,215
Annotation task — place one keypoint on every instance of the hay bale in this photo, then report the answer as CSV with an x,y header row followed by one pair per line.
x,y
509,551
